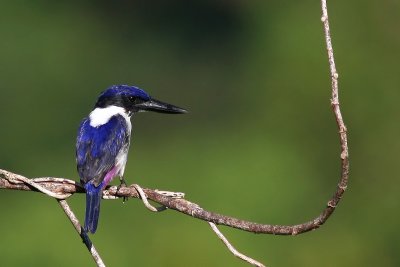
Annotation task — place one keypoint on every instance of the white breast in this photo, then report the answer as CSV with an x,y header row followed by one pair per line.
x,y
100,116
121,159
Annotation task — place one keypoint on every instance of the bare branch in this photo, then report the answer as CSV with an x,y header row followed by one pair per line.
x,y
344,155
232,249
21,180
24,183
64,186
96,256
146,203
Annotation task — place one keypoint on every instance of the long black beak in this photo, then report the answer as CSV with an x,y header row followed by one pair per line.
x,y
158,106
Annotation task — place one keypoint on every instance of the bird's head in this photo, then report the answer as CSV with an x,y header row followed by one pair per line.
x,y
134,99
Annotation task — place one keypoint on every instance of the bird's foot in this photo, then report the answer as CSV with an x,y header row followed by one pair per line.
x,y
122,184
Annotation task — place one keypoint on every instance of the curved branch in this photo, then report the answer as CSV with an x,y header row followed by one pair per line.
x,y
65,186
62,188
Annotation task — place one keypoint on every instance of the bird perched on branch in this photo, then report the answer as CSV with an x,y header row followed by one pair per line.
x,y
103,141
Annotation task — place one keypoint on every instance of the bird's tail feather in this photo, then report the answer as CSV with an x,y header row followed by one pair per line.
x,y
93,197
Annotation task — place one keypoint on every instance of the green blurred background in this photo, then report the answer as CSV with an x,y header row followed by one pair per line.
x,y
260,141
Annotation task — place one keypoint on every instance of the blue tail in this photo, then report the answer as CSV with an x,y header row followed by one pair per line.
x,y
93,197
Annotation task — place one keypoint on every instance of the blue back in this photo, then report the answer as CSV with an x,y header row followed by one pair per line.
x,y
98,147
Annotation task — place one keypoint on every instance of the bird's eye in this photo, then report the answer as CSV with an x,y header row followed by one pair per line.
x,y
134,100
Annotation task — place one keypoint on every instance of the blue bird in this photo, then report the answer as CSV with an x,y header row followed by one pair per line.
x,y
103,141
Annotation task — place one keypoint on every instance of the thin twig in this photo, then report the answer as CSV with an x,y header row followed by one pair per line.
x,y
232,249
344,155
96,257
146,203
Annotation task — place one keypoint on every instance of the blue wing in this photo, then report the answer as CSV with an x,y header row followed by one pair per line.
x,y
98,147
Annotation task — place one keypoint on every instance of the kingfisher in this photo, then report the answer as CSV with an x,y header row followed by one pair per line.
x,y
103,141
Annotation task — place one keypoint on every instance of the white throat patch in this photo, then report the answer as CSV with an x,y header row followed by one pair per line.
x,y
100,116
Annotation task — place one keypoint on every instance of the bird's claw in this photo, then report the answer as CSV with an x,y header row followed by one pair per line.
x,y
122,184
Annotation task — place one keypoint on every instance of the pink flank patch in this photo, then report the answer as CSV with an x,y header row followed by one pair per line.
x,y
109,176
